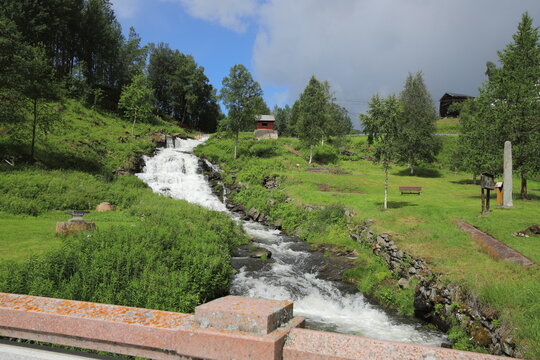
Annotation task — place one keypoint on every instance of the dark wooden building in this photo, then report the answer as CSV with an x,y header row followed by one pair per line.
x,y
265,122
448,99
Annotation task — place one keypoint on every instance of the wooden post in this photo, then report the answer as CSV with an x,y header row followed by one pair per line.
x,y
487,200
482,196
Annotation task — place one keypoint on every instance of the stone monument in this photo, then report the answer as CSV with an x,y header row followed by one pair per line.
x,y
75,224
507,187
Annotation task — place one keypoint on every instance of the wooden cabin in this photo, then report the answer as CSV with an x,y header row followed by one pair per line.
x,y
448,99
265,122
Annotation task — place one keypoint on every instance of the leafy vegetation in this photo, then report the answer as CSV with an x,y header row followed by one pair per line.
x,y
170,255
507,110
151,252
382,128
417,142
314,116
423,225
75,48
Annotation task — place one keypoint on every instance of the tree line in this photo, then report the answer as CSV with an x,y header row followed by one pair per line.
x,y
314,116
57,48
507,109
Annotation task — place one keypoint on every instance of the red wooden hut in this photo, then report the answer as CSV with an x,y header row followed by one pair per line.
x,y
265,122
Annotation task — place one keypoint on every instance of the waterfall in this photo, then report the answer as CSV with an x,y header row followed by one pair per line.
x,y
292,274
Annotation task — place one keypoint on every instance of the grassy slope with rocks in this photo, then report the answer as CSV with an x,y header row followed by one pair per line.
x,y
151,252
422,225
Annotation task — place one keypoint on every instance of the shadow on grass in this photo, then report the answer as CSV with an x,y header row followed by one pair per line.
x,y
61,161
51,159
530,197
465,182
419,172
396,204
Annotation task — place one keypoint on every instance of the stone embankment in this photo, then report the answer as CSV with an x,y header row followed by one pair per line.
x,y
445,305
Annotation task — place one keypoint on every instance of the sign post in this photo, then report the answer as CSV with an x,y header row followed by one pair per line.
x,y
487,183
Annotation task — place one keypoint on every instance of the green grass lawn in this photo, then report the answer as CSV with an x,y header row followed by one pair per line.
x,y
23,236
422,224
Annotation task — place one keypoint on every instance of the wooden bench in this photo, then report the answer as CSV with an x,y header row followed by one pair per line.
x,y
410,190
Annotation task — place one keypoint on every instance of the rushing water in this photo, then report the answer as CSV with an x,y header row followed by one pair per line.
x,y
293,272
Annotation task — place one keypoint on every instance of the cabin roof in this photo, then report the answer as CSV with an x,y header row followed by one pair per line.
x,y
451,94
266,118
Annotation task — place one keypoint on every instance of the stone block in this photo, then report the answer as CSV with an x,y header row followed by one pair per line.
x,y
305,344
73,227
234,313
261,134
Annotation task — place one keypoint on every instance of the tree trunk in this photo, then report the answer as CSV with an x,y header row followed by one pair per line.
x,y
310,154
34,126
133,126
474,178
322,140
385,186
524,195
412,169
235,145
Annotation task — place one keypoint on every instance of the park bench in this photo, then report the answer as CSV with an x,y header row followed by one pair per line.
x,y
410,190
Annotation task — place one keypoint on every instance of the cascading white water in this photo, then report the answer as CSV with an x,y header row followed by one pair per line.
x,y
293,272
173,172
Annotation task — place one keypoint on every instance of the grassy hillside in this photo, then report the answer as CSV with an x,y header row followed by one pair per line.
x,y
82,139
447,126
423,225
151,252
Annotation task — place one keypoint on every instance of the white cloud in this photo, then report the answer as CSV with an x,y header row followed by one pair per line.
x,y
126,9
232,14
367,46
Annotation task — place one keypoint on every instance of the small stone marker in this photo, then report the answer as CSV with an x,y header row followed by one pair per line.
x,y
75,224
507,187
235,313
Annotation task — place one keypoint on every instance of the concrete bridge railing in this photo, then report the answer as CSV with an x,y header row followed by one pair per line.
x,y
227,328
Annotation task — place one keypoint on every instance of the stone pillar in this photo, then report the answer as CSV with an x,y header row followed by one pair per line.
x,y
507,187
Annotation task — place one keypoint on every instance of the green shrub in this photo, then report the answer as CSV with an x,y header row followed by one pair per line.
x,y
326,154
263,148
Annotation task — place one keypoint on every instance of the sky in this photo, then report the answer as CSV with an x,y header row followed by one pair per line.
x,y
361,47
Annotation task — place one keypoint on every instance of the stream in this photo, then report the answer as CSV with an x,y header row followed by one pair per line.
x,y
293,273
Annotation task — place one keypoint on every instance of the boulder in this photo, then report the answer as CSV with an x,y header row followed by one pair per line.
x,y
104,206
261,253
403,283
480,335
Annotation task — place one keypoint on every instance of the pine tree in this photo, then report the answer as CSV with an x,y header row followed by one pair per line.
x,y
417,124
511,100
